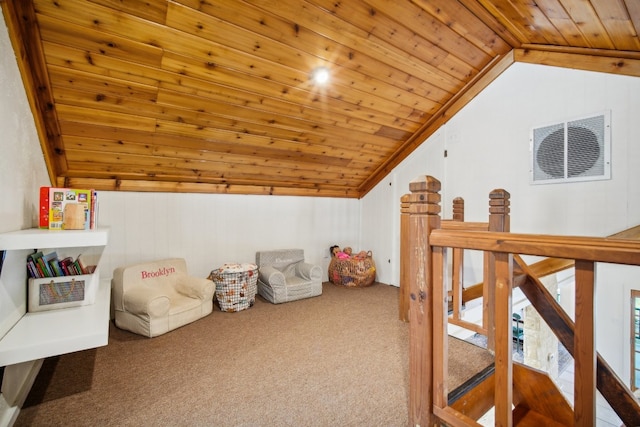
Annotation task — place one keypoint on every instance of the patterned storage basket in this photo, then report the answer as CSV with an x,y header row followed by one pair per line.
x,y
236,286
355,272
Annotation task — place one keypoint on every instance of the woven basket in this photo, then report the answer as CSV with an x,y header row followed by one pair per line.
x,y
236,286
352,272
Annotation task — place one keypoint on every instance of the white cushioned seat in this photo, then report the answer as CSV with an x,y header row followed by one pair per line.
x,y
156,297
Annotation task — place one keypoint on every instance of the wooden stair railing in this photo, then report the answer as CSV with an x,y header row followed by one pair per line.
x,y
609,384
458,295
428,245
586,251
546,266
540,269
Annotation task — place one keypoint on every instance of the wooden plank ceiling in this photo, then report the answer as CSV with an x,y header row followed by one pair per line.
x,y
216,96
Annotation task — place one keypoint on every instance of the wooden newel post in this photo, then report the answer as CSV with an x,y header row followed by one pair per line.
x,y
499,297
403,299
424,216
457,277
458,209
499,220
499,208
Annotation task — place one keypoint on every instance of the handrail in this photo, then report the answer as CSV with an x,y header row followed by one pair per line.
x,y
597,249
464,226
504,248
428,239
610,386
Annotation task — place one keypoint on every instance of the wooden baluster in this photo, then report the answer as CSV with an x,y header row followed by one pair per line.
x,y
424,210
498,310
503,338
458,262
403,298
584,346
440,333
499,220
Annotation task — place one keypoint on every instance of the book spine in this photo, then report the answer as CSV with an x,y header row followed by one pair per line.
x,y
94,210
40,271
33,271
44,208
77,268
55,267
81,265
66,266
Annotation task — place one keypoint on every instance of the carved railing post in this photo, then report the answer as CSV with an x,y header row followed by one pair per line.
x,y
403,299
498,297
499,208
457,276
499,220
458,209
424,210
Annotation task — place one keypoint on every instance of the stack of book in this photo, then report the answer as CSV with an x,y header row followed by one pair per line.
x,y
41,265
68,209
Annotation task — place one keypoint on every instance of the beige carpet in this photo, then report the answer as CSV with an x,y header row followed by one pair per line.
x,y
338,359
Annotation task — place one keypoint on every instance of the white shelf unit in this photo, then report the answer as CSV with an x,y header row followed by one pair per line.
x,y
44,334
41,238
32,336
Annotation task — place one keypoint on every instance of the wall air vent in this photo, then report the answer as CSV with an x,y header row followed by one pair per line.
x,y
575,150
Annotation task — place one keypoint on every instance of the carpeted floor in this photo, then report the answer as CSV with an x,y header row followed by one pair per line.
x,y
338,359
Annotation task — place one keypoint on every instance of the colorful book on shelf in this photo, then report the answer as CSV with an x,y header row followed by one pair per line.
x,y
93,214
82,265
66,266
43,215
40,265
69,209
50,259
54,264
32,269
33,266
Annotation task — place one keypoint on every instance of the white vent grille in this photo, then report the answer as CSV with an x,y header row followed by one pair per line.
x,y
575,150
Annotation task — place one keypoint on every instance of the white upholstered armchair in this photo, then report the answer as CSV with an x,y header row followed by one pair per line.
x,y
153,298
285,276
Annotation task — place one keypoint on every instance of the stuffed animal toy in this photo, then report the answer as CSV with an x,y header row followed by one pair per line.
x,y
340,254
334,250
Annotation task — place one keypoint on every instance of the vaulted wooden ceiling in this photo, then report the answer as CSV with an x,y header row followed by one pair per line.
x,y
216,95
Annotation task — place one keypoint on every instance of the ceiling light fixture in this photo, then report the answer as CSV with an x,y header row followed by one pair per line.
x,y
320,75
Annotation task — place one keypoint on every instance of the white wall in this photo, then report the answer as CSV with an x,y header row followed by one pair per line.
x,y
493,150
209,230
22,172
487,146
22,167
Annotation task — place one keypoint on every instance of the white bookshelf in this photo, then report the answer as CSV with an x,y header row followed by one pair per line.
x,y
49,333
40,238
28,337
